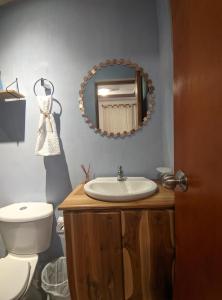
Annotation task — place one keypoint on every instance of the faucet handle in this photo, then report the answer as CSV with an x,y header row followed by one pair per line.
x,y
120,176
120,169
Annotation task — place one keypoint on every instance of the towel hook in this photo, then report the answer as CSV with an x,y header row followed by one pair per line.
x,y
43,84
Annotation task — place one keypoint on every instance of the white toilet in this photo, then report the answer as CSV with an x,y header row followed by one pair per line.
x,y
26,230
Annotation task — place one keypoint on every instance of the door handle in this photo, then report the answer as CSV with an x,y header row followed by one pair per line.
x,y
170,181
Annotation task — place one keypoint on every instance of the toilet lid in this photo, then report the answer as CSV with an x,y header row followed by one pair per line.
x,y
14,278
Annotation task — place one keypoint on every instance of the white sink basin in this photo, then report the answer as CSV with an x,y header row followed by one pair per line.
x,y
110,189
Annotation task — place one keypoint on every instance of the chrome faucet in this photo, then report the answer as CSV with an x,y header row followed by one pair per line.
x,y
120,174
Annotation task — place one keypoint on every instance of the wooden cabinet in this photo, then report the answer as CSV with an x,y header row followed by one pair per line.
x,y
148,254
94,253
117,253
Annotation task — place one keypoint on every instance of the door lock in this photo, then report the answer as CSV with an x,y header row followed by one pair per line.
x,y
170,181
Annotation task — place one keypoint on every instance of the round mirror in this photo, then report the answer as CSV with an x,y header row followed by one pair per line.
x,y
116,97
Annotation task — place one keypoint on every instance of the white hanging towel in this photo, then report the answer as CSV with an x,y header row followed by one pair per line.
x,y
47,140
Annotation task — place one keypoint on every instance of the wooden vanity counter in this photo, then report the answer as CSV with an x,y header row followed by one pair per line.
x,y
120,250
78,200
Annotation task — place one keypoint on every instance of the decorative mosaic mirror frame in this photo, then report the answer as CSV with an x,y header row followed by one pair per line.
x,y
111,62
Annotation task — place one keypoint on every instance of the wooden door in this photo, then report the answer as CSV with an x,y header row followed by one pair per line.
x,y
148,254
197,46
94,254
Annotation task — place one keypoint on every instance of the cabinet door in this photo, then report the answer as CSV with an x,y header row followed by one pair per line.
x,y
148,254
94,254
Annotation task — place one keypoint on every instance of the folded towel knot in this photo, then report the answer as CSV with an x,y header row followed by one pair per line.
x,y
47,115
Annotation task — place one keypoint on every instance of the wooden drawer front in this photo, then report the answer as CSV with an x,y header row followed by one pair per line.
x,y
148,254
94,253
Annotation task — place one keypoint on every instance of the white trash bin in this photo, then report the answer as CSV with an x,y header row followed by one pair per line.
x,y
55,281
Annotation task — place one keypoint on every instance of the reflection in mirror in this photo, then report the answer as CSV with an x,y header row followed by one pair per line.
x,y
116,98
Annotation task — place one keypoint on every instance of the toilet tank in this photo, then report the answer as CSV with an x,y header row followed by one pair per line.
x,y
26,228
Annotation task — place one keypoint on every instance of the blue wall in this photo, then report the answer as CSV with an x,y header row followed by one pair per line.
x,y
61,41
166,79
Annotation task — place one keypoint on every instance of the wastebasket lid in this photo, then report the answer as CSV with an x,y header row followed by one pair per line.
x,y
13,288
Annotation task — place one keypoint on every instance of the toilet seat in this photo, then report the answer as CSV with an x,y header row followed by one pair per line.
x,y
14,277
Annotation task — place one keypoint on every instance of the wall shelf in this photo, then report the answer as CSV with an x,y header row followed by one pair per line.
x,y
10,94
